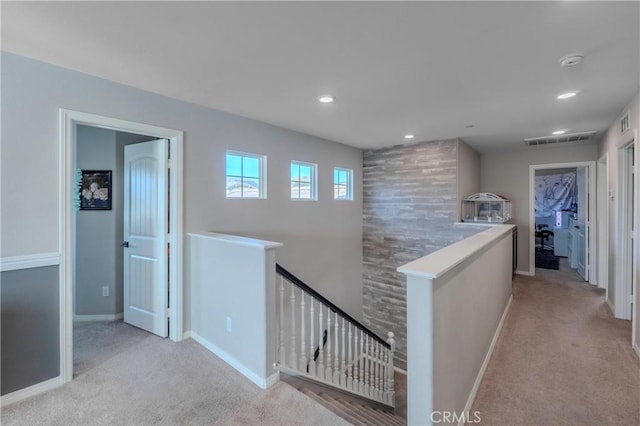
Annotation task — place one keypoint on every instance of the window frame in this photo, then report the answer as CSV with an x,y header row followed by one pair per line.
x,y
349,185
262,174
313,187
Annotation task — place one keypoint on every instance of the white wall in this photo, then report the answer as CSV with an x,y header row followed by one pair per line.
x,y
468,176
609,145
233,280
322,239
507,174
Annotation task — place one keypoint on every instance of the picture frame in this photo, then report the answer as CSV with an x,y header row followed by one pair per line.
x,y
95,190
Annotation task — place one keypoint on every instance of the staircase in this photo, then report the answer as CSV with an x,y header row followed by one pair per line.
x,y
352,408
321,343
354,412
334,359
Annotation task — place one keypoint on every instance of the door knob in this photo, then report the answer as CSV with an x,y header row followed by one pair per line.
x,y
125,244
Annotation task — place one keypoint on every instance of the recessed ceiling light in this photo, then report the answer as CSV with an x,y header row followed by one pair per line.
x,y
559,132
326,99
409,136
566,95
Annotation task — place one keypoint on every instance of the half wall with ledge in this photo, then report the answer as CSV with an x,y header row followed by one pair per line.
x,y
457,300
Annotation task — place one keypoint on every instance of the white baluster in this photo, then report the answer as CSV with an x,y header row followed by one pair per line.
x,y
303,338
361,362
328,372
372,356
349,363
312,343
391,379
383,375
336,348
283,354
293,358
343,355
367,378
356,362
321,342
378,363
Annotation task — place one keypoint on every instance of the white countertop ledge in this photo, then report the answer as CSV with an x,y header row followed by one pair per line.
x,y
236,239
438,263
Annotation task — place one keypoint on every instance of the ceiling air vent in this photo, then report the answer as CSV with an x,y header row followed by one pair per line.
x,y
554,140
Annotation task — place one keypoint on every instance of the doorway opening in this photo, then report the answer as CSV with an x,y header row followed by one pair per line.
x,y
103,310
73,123
562,218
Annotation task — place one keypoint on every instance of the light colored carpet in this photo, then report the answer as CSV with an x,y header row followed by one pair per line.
x,y
561,359
144,380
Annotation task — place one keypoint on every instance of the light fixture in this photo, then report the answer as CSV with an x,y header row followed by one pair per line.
x,y
559,132
409,136
566,95
325,99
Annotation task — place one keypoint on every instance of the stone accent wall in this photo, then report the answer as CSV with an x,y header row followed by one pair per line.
x,y
409,210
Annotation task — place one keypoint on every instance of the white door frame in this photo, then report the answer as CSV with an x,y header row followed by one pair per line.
x,y
67,148
602,217
623,275
591,214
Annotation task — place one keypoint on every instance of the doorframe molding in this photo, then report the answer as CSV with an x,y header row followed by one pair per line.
x,y
621,301
602,216
68,122
593,225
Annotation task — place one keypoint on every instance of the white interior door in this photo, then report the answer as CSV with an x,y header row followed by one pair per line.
x,y
145,236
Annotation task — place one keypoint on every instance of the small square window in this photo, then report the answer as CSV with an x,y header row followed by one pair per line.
x,y
342,184
303,181
245,175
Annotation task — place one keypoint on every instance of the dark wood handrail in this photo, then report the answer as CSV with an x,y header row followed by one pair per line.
x,y
299,283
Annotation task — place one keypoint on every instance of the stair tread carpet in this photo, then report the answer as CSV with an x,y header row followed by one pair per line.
x,y
338,408
354,412
374,412
350,416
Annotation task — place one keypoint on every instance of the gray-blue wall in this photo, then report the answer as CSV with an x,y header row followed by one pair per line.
x,y
322,239
30,337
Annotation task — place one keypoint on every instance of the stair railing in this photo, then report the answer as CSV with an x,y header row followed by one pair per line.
x,y
321,342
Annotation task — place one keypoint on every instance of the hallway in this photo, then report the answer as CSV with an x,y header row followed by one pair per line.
x,y
561,359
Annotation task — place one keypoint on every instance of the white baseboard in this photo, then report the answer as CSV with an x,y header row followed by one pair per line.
x,y
186,335
33,390
520,272
485,363
261,382
105,317
610,305
637,349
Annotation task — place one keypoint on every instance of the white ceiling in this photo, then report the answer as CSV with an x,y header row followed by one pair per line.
x,y
428,68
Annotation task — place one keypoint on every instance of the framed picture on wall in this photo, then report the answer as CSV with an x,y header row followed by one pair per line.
x,y
95,190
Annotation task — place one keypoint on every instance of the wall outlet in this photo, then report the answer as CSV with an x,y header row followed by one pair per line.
x,y
229,324
105,291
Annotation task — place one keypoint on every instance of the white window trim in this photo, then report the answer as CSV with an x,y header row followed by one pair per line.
x,y
262,175
314,180
349,183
